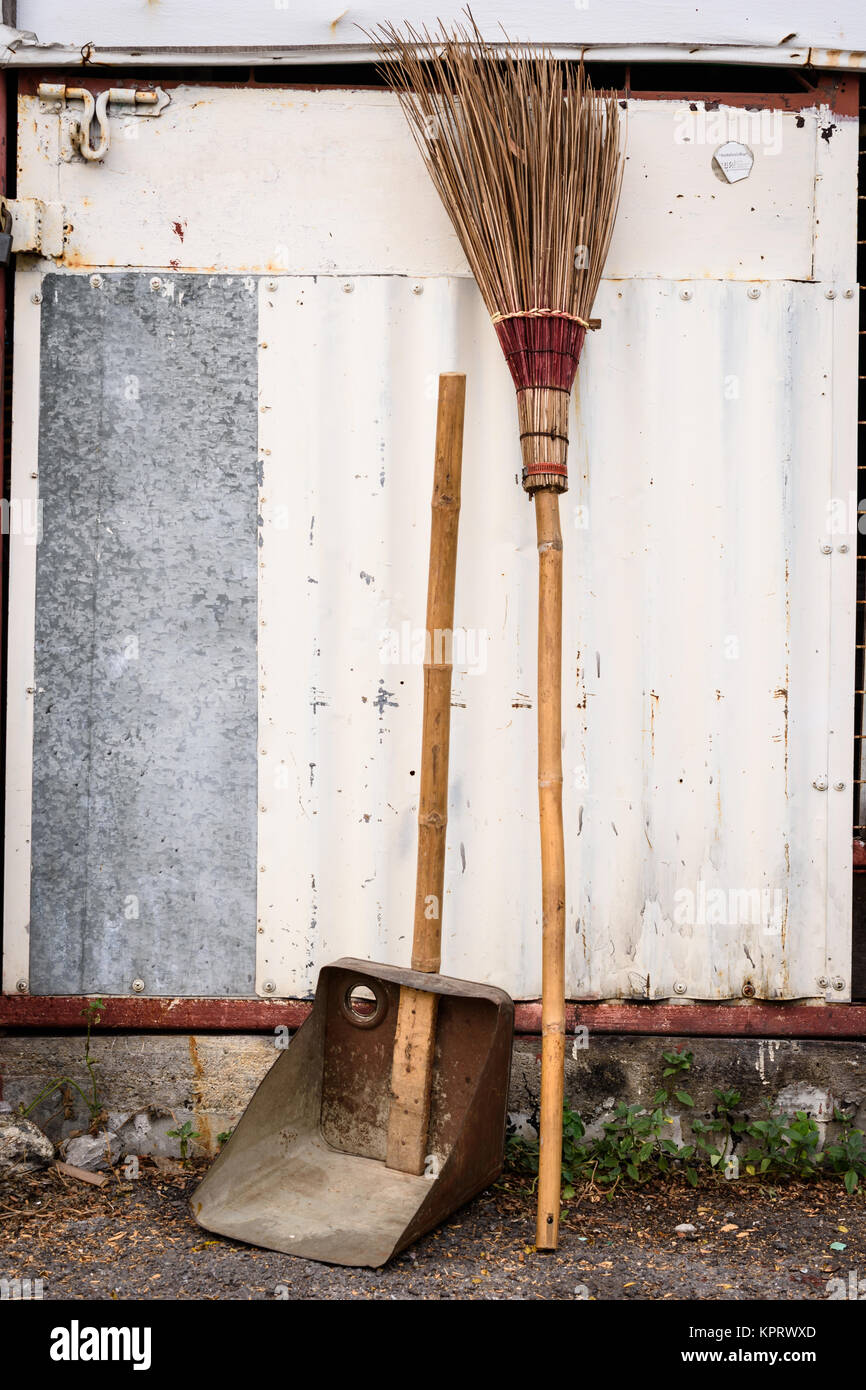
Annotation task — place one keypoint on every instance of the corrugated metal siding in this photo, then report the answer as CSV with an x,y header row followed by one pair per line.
x,y
697,691
709,638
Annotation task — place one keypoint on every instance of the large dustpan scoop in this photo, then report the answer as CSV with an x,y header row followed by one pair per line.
x,y
387,1111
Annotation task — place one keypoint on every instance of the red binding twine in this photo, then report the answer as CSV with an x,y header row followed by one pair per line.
x,y
542,348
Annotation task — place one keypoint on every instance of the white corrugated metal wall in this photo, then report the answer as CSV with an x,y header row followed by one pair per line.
x,y
709,610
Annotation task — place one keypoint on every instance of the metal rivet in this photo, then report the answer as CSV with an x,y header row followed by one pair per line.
x,y
36,298
272,285
96,282
829,294
21,986
348,288
842,549
138,986
840,786
417,289
269,987
849,294
749,990
34,475
680,987
753,292
823,982
686,294
826,550
156,283
261,868
838,983
820,784
31,690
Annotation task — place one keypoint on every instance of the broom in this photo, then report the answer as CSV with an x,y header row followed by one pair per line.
x,y
526,159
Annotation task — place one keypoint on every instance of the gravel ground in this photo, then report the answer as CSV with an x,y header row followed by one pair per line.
x,y
137,1240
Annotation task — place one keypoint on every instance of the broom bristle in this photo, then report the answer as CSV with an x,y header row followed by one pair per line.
x,y
526,159
525,156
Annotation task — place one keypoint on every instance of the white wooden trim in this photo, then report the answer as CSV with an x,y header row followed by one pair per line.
x,y
21,636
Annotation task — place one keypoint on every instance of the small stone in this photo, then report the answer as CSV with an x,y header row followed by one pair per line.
x,y
93,1151
729,1226
687,1231
23,1146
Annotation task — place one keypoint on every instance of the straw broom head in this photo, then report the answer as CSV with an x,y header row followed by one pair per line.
x,y
526,158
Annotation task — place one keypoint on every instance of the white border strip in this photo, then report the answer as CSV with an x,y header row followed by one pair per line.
x,y
21,636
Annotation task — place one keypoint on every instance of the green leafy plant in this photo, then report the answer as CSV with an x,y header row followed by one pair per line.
x,y
91,1013
846,1155
185,1133
635,1143
224,1136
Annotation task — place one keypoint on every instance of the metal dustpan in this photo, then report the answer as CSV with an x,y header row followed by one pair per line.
x,y
387,1111
305,1172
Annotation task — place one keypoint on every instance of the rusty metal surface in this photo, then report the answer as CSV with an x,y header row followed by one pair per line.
x,y
748,1019
304,1170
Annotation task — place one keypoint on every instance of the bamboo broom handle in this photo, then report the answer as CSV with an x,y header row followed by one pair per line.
x,y
415,1038
552,865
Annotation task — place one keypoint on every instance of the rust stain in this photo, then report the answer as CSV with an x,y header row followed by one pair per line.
x,y
201,1119
179,228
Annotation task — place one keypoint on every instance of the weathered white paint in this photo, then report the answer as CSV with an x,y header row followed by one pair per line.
x,y
313,23
24,488
701,683
713,432
331,183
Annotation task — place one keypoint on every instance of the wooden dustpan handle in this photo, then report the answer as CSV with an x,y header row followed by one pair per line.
x,y
416,1020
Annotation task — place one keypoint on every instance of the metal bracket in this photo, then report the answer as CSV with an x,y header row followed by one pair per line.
x,y
78,130
36,226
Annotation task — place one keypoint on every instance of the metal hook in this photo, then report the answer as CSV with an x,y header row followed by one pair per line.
x,y
100,109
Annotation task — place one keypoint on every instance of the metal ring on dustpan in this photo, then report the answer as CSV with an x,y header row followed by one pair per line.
x,y
380,996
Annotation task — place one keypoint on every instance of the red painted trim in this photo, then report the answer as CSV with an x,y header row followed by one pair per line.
x,y
754,1020
840,94
145,1015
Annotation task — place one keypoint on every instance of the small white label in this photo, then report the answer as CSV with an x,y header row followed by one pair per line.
x,y
734,160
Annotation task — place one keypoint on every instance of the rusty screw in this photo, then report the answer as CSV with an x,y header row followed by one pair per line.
x,y
269,987
21,986
838,983
749,990
680,987
823,982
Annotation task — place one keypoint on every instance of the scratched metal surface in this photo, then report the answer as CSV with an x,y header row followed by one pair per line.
x,y
144,811
707,656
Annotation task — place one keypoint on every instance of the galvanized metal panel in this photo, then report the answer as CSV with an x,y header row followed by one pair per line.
x,y
337,187
699,691
143,813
